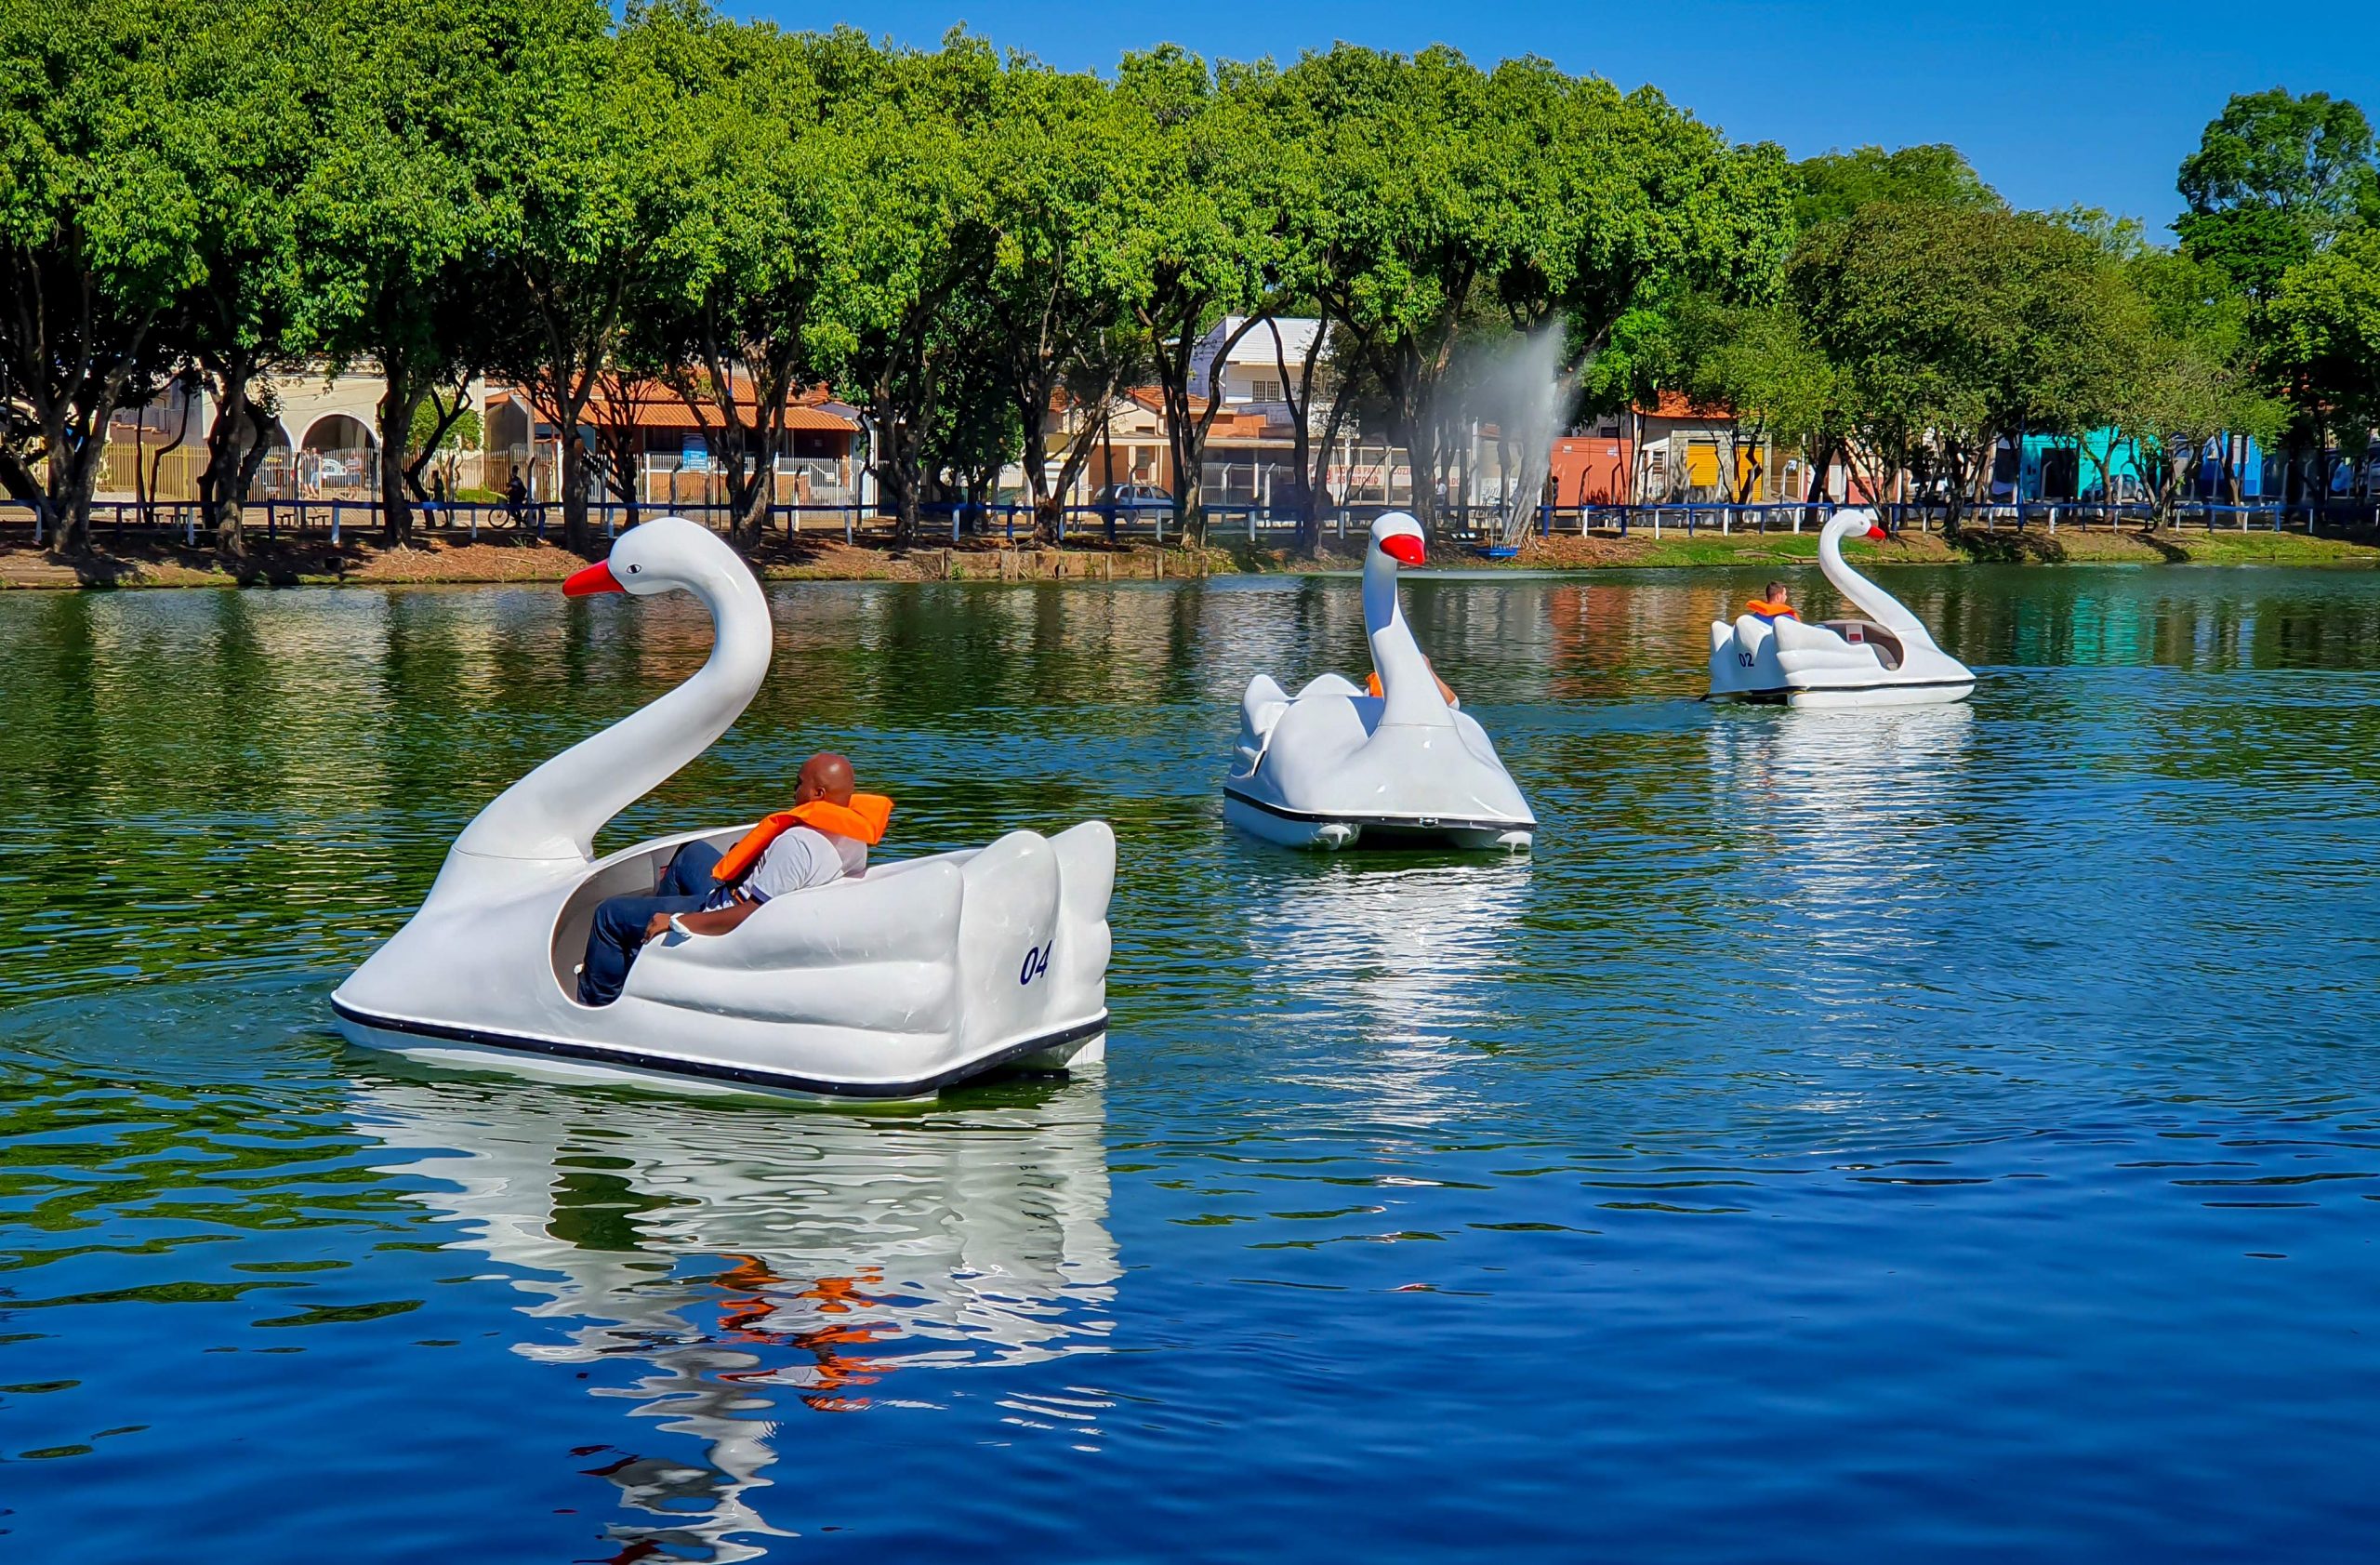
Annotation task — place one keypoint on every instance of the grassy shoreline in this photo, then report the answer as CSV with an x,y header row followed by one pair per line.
x,y
317,563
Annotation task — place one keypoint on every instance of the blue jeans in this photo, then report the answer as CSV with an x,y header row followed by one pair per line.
x,y
619,921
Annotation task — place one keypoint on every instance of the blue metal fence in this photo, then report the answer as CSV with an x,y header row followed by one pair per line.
x,y
1478,527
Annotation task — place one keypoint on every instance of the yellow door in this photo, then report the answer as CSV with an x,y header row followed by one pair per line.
x,y
1701,465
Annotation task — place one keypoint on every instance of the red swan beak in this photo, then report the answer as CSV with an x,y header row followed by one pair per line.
x,y
1405,549
593,580
1876,535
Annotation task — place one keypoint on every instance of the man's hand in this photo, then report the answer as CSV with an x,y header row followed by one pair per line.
x,y
718,921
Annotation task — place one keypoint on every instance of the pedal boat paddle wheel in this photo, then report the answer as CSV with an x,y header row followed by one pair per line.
x,y
1883,659
1334,765
916,976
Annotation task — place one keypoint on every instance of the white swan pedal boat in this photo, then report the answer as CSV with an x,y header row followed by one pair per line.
x,y
1886,660
914,976
1334,765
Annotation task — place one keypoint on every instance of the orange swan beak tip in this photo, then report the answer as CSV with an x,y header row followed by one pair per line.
x,y
595,578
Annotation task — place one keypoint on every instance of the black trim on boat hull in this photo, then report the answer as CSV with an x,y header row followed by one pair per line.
x,y
1777,693
773,1081
1393,823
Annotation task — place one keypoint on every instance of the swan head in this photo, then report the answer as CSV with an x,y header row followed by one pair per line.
x,y
1856,524
665,553
1397,535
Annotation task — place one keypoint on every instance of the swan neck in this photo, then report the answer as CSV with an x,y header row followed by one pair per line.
x,y
554,812
1409,690
1872,600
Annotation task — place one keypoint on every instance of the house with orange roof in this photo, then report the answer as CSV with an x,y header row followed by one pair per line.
x,y
671,444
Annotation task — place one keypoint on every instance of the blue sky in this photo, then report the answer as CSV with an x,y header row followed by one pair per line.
x,y
2091,102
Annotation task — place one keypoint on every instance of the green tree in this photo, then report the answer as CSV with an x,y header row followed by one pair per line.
x,y
1058,187
1757,360
1428,202
249,77
972,430
1951,328
1641,354
396,223
441,430
904,287
2274,178
2196,379
588,191
730,327
1402,207
2323,332
99,235
1196,237
1834,187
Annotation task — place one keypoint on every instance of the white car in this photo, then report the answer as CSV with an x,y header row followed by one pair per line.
x,y
1135,501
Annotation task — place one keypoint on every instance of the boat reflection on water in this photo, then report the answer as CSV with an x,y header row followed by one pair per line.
x,y
754,1264
1852,818
1838,782
1412,953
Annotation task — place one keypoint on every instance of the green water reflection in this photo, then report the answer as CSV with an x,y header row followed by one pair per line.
x,y
1914,1096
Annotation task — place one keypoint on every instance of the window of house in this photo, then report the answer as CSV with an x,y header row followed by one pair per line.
x,y
1268,391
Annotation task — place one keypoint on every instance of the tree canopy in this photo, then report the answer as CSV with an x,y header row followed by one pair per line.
x,y
982,253
1834,187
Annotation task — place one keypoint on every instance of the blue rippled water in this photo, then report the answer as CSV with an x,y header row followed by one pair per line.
x,y
1940,1135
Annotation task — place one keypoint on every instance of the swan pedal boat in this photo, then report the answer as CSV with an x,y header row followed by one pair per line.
x,y
1334,765
1886,660
914,976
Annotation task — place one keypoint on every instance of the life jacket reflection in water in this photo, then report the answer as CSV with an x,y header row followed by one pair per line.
x,y
864,819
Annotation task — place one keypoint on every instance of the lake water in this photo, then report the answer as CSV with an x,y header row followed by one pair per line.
x,y
1946,1136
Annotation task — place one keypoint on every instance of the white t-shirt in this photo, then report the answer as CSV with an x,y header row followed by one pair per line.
x,y
800,859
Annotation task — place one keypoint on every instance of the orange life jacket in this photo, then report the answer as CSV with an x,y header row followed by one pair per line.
x,y
864,818
1772,611
1372,688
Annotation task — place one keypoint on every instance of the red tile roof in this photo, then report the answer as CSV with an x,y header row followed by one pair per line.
x,y
1675,404
659,412
655,406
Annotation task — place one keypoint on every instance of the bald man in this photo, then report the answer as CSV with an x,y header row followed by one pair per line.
x,y
691,895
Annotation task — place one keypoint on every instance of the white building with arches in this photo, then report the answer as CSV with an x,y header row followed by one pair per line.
x,y
322,436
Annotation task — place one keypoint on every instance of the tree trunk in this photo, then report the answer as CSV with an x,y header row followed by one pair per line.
x,y
1313,480
893,455
400,400
577,535
1188,436
230,465
244,483
1302,453
749,518
617,444
979,486
72,480
72,470
1813,492
1422,470
1107,463
1049,513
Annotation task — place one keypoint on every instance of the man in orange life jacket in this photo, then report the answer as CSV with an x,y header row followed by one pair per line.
x,y
1773,605
821,839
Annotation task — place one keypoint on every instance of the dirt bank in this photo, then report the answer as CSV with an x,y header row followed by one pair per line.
x,y
318,563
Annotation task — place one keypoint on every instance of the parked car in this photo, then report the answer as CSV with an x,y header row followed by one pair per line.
x,y
1143,502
